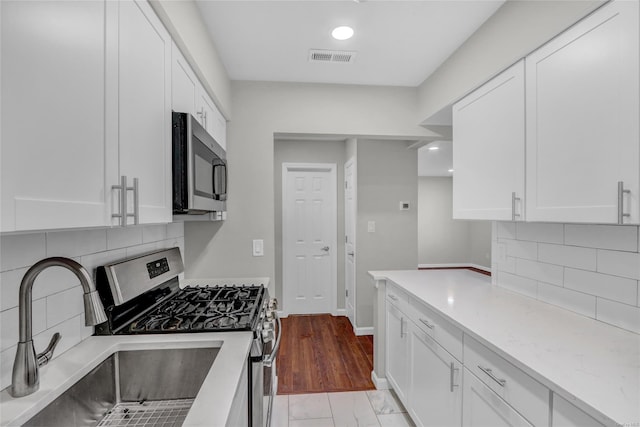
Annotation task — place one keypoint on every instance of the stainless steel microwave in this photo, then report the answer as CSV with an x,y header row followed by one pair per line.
x,y
199,168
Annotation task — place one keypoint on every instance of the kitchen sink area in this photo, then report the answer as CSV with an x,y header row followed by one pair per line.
x,y
131,387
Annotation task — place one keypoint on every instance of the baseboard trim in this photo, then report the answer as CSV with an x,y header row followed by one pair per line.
x,y
380,383
363,331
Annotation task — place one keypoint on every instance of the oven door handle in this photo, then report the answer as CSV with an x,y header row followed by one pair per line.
x,y
268,360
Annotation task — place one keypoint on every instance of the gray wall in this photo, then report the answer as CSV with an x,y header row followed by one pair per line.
x,y
387,173
515,30
442,239
259,111
309,152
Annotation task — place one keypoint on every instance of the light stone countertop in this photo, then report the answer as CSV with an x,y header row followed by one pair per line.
x,y
211,406
592,364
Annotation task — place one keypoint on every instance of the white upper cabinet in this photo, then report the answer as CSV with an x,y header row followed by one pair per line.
x,y
211,118
488,149
142,126
184,84
53,109
582,121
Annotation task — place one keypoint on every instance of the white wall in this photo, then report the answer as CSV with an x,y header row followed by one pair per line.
x,y
592,270
387,173
442,239
184,22
515,30
260,111
310,152
57,294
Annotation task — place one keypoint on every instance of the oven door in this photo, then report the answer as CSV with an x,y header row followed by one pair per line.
x,y
269,374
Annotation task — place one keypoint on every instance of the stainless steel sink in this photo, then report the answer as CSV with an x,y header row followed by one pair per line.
x,y
154,386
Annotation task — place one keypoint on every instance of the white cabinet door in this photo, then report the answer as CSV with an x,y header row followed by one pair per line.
x,y
397,351
488,149
565,414
184,84
53,125
435,393
482,407
144,108
219,128
582,120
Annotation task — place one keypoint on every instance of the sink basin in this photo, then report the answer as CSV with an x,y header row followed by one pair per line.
x,y
155,386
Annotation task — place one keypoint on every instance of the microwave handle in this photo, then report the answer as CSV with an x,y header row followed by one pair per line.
x,y
217,163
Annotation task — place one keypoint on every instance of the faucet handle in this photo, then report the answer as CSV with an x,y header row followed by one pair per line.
x,y
44,357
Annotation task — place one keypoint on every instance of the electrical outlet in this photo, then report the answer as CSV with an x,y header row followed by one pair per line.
x,y
258,247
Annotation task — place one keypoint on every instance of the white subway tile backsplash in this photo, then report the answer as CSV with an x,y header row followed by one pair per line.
x,y
64,305
603,285
76,242
9,287
521,249
7,357
123,237
540,232
508,266
154,233
506,230
570,256
540,271
9,323
620,238
70,331
518,284
93,261
617,314
21,250
54,280
175,229
617,263
577,302
142,249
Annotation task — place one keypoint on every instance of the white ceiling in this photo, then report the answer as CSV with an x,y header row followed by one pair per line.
x,y
398,43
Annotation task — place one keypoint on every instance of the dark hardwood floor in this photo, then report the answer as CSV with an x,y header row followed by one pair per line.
x,y
320,353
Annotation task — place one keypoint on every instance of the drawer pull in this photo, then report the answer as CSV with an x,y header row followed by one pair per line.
x,y
491,375
427,324
452,373
393,297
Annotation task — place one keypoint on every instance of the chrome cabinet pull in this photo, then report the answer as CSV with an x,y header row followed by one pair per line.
x,y
491,375
136,202
427,324
452,370
122,213
513,206
621,192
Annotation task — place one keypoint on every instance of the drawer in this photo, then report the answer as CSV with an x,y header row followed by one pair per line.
x,y
519,390
397,296
437,327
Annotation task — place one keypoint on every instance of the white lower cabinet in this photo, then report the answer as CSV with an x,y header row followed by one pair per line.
x,y
565,414
435,392
397,351
484,408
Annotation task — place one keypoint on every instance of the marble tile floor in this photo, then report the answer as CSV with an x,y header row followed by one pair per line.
x,y
376,408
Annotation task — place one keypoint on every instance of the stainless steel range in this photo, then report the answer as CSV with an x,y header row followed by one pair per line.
x,y
144,295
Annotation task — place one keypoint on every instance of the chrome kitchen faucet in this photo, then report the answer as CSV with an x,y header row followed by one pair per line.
x,y
26,376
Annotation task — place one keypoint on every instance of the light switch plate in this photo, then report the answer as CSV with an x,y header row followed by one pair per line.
x,y
258,247
371,226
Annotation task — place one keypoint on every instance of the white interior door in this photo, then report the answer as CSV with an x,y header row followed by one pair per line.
x,y
350,239
309,229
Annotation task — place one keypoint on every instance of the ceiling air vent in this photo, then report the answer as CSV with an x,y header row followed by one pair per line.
x,y
320,55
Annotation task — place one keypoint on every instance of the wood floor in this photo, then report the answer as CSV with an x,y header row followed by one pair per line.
x,y
321,354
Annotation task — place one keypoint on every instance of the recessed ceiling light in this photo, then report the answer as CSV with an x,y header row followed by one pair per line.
x,y
434,148
342,33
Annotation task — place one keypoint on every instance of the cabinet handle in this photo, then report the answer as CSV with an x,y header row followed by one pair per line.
x,y
491,375
393,297
513,206
401,327
621,192
122,213
136,202
452,370
427,324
